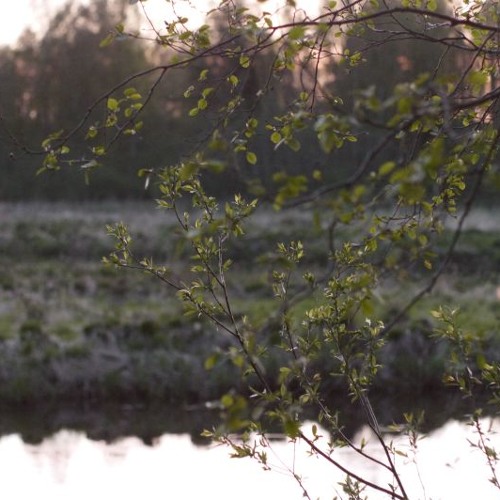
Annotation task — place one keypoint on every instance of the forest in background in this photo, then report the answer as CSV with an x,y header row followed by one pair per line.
x,y
50,81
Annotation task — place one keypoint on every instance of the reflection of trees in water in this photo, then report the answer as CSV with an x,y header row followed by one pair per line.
x,y
107,422
438,407
148,423
55,454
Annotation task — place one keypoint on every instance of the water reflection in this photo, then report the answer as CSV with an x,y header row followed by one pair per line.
x,y
70,466
109,422
106,422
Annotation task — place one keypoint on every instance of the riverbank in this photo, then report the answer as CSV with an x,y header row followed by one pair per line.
x,y
74,331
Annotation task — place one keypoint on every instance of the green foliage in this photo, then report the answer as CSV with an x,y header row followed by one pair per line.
x,y
393,149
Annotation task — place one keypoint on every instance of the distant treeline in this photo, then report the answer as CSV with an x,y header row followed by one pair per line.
x,y
48,84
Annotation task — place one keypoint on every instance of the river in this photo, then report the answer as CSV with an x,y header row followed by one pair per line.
x,y
70,466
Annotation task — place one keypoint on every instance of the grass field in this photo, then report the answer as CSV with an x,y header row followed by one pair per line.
x,y
72,329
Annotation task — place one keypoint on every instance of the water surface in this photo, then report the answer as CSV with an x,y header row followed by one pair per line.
x,y
70,466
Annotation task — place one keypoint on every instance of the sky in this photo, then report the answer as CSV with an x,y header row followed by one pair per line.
x,y
16,15
12,18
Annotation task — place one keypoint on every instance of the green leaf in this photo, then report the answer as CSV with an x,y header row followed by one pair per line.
x,y
112,104
233,80
291,428
251,157
187,171
432,5
412,192
386,168
211,361
275,137
206,92
91,133
227,401
107,41
293,144
244,61
478,79
317,175
203,75
252,123
129,91
51,138
296,33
